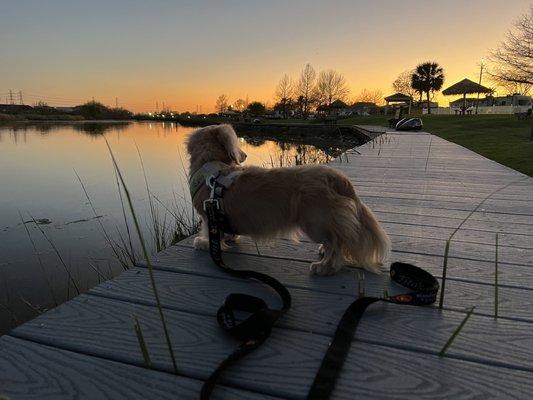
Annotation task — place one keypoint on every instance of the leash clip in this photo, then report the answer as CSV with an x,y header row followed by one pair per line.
x,y
211,203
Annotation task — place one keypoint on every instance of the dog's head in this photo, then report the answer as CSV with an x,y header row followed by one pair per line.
x,y
215,143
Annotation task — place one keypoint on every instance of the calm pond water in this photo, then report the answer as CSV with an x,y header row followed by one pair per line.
x,y
38,166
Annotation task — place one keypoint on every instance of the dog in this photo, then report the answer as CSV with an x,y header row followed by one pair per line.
x,y
315,200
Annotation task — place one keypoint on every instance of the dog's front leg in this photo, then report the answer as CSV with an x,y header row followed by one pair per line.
x,y
201,242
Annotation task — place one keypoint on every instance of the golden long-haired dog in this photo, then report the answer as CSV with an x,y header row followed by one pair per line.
x,y
266,203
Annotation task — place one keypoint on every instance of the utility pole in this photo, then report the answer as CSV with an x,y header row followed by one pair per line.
x,y
163,109
11,101
156,106
116,102
480,75
20,97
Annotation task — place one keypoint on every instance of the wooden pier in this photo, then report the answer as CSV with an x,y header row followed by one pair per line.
x,y
422,188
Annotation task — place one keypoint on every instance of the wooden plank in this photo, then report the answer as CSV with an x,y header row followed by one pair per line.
x,y
418,245
284,366
441,234
514,302
32,371
384,324
400,205
475,271
481,224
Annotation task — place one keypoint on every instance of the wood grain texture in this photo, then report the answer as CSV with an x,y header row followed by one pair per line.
x,y
466,269
317,312
30,371
283,367
514,302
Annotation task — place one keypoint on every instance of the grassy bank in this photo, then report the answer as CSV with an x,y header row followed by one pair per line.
x,y
502,138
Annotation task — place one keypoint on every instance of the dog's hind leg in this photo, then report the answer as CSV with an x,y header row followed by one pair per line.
x,y
201,242
330,263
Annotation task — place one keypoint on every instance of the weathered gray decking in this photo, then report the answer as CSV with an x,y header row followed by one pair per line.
x,y
421,187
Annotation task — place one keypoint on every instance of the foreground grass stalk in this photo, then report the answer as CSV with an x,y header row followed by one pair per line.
x,y
102,228
43,270
496,301
147,258
142,343
455,333
67,270
444,270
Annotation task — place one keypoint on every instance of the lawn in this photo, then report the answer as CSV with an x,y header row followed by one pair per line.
x,y
502,138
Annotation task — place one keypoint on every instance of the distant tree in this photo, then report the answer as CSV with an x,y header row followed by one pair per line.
x,y
306,89
402,84
515,87
256,108
96,110
331,86
284,93
427,78
513,60
239,105
370,96
221,104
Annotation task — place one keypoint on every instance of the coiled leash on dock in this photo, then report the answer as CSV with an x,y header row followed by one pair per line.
x,y
255,329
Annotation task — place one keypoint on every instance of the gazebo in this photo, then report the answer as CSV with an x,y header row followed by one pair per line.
x,y
399,98
466,86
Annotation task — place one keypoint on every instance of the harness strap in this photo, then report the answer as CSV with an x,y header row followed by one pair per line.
x,y
254,329
424,288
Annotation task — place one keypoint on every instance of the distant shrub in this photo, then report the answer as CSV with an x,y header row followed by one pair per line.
x,y
96,110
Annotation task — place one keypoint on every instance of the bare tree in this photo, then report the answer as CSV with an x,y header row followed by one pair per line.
x,y
516,87
513,60
305,89
239,105
402,84
370,96
331,86
284,93
222,103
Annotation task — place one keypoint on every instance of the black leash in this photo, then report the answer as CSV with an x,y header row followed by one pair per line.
x,y
424,288
255,329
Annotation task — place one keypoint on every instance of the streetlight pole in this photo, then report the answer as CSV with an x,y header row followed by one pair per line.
x,y
480,75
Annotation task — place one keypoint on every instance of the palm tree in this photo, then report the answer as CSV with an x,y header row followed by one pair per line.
x,y
428,77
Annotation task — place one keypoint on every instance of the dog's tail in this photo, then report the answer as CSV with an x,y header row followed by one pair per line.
x,y
363,240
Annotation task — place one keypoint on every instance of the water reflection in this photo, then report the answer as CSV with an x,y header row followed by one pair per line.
x,y
37,164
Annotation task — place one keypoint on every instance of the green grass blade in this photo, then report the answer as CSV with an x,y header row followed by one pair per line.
x,y
496,300
147,258
444,271
142,343
455,333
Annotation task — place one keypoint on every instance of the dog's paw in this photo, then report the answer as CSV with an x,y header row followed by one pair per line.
x,y
201,243
321,269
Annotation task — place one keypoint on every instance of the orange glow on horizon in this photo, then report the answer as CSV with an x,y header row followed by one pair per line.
x,y
184,57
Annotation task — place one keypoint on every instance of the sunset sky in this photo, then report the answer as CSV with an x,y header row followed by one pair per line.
x,y
186,53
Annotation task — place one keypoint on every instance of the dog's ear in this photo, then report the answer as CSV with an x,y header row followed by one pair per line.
x,y
228,138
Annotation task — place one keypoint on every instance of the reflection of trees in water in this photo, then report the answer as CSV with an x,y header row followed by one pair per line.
x,y
291,154
100,128
89,128
304,149
254,140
